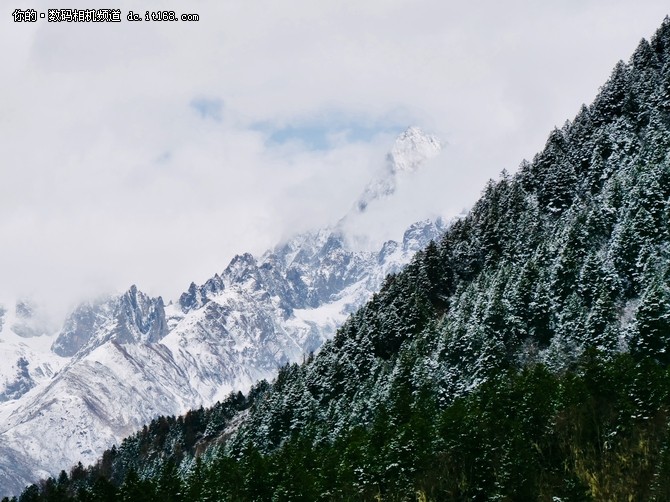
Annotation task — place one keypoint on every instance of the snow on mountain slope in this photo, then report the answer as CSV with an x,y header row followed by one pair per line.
x,y
132,318
24,349
108,394
122,360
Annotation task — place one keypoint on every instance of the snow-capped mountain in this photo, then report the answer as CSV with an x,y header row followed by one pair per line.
x,y
131,318
410,151
117,362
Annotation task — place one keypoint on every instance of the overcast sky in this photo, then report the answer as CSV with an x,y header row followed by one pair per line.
x,y
151,153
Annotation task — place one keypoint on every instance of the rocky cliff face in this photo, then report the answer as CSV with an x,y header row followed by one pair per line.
x,y
130,318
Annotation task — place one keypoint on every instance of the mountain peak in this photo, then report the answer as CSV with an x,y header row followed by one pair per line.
x,y
412,149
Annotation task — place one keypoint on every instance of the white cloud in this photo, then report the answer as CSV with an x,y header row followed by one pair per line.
x,y
132,152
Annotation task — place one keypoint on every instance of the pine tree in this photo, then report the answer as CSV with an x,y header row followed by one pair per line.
x,y
651,332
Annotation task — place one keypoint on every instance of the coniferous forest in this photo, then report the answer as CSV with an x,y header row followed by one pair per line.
x,y
524,356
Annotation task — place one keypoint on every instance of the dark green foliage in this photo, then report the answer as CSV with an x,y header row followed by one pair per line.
x,y
135,489
597,433
31,494
103,490
651,333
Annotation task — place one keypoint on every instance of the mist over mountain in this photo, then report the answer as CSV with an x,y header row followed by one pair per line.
x,y
63,387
